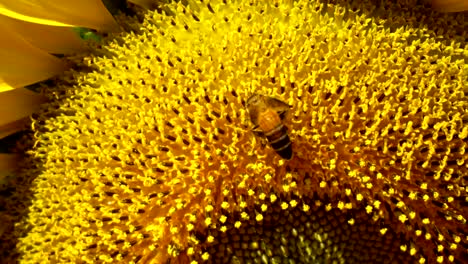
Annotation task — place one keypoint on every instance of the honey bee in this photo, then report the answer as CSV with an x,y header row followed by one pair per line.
x,y
267,114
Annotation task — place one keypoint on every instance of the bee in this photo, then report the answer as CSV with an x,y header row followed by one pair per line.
x,y
267,115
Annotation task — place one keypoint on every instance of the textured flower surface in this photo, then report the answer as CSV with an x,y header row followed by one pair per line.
x,y
145,152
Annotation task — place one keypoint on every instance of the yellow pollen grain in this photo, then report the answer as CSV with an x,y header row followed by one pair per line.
x,y
323,184
244,216
426,197
190,252
259,217
223,219
225,205
359,197
209,208
262,196
192,218
210,239
402,218
440,248
293,203
383,231
377,204
273,198
205,256
340,205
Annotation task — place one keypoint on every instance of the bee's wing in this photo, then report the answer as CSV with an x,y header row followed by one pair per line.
x,y
279,106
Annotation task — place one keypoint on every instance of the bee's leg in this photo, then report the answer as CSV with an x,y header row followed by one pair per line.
x,y
263,141
259,133
282,114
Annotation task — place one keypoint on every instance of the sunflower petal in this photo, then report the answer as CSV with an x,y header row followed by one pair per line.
x,y
58,40
83,13
15,105
22,63
450,5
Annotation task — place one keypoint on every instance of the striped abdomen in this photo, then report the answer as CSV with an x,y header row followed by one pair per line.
x,y
276,133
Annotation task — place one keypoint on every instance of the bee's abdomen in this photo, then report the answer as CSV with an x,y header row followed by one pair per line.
x,y
280,142
276,133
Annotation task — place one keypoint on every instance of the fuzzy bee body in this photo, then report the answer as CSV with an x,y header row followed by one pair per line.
x,y
267,114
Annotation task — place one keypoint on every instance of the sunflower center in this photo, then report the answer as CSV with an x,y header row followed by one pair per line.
x,y
316,235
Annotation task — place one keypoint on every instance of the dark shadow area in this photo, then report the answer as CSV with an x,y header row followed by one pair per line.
x,y
15,196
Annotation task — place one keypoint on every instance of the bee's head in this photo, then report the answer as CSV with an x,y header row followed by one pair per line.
x,y
253,100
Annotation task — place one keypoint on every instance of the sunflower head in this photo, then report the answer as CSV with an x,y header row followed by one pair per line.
x,y
145,152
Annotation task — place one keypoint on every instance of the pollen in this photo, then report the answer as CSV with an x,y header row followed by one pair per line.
x,y
145,149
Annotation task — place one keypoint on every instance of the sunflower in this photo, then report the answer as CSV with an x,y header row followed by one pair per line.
x,y
144,151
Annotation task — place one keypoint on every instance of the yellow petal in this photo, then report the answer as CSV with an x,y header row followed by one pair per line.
x,y
23,64
5,86
17,104
13,127
82,13
58,40
450,5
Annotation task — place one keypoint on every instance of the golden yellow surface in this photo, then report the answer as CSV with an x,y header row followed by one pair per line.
x,y
145,151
